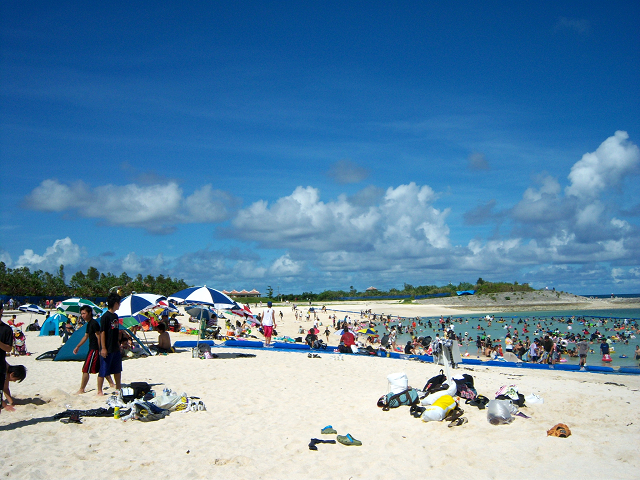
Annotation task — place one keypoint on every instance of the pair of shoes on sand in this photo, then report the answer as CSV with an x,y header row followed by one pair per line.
x,y
313,355
343,439
457,422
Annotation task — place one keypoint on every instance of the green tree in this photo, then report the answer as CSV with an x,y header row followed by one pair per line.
x,y
269,291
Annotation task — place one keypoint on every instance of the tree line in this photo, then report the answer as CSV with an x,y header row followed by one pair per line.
x,y
23,282
481,287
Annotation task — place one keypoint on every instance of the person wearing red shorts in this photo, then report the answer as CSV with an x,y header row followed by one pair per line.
x,y
92,362
268,324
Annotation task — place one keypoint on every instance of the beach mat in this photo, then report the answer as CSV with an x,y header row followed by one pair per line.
x,y
192,343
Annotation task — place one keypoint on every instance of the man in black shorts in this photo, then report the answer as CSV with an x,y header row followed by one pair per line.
x,y
92,362
6,344
110,356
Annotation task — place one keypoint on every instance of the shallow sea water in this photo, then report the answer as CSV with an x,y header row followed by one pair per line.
x,y
550,320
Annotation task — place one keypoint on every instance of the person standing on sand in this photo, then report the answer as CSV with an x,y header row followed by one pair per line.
x,y
583,348
110,356
6,344
92,361
268,324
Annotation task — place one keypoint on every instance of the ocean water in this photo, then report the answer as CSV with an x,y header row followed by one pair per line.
x,y
549,320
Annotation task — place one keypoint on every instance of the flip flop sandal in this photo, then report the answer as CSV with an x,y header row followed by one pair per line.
x,y
458,421
455,414
315,355
328,430
348,440
520,414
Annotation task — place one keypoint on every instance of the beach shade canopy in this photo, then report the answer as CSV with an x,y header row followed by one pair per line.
x,y
31,308
368,331
51,324
201,312
244,312
203,296
341,332
72,306
138,302
132,321
167,305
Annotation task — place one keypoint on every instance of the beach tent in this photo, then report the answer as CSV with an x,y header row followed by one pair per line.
x,y
66,351
50,325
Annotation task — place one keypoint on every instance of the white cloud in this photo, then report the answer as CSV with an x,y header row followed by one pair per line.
x,y
285,267
5,257
156,208
605,168
62,252
302,221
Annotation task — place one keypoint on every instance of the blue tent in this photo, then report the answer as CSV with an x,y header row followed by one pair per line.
x,y
66,351
50,325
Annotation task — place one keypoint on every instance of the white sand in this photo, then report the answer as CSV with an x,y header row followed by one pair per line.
x,y
263,411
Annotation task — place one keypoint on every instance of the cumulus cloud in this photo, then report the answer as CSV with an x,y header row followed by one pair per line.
x,y
477,161
156,208
404,217
5,257
606,168
558,233
285,267
347,171
62,252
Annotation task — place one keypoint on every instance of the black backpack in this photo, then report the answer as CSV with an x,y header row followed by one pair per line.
x,y
135,390
435,384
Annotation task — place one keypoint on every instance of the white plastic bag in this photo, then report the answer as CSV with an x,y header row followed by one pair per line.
x,y
398,382
500,412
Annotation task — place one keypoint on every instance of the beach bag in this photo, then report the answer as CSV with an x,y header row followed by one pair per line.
x,y
440,408
398,382
510,391
135,390
519,401
435,384
394,400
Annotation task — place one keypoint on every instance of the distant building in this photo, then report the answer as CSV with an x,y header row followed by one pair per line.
x,y
242,293
372,289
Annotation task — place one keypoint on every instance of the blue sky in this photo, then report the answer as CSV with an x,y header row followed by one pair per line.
x,y
323,145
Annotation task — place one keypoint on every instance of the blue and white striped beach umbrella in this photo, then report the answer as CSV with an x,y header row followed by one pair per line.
x,y
138,302
31,308
204,296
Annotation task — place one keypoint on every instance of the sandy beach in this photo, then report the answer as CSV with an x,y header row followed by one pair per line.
x,y
262,412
